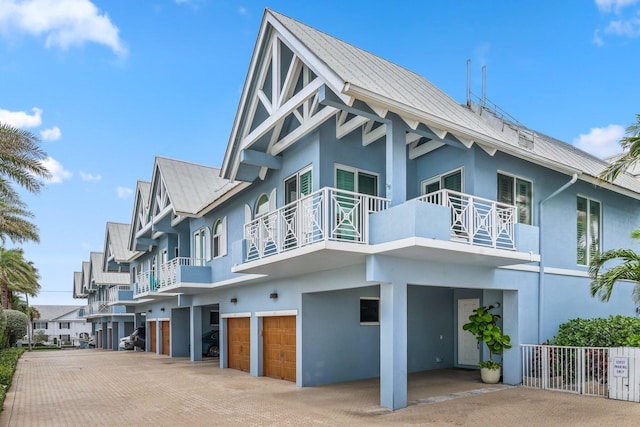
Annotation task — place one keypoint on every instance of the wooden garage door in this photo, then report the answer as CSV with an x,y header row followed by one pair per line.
x,y
151,336
166,337
279,341
239,335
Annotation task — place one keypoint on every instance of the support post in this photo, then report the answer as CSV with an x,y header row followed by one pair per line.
x,y
393,345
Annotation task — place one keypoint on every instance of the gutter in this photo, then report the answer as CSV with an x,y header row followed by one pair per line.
x,y
573,180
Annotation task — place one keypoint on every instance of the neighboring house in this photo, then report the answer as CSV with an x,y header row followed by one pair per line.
x,y
359,216
62,323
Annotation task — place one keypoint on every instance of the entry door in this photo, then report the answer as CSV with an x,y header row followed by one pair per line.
x,y
468,351
239,348
279,347
151,336
166,337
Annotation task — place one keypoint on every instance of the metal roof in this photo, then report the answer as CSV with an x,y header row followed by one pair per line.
x,y
118,236
191,186
105,278
55,312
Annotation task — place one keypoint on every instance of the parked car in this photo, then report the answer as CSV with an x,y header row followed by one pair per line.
x,y
138,337
92,343
125,343
210,345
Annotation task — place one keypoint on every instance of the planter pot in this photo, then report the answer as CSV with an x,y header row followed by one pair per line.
x,y
490,376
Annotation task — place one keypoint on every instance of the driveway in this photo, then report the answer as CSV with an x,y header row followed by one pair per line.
x,y
105,388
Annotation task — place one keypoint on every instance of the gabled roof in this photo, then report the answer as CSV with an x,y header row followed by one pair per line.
x,y
86,277
56,312
189,186
115,243
346,80
78,291
140,213
102,278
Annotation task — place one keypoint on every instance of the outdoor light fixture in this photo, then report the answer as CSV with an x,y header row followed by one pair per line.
x,y
273,295
233,300
150,310
162,309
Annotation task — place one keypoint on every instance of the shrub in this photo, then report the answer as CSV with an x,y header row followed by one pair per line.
x,y
614,331
3,327
40,336
17,323
8,361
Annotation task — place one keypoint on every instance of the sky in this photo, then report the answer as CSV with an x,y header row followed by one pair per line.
x,y
109,85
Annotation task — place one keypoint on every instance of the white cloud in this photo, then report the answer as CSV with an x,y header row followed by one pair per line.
x,y
481,52
52,134
57,171
21,119
625,27
124,192
242,10
614,5
601,142
64,23
90,177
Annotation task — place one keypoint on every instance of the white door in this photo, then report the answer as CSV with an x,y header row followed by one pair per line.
x,y
468,351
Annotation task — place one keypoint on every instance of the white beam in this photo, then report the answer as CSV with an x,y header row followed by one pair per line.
x,y
489,150
423,149
440,133
322,116
413,137
412,123
343,129
374,135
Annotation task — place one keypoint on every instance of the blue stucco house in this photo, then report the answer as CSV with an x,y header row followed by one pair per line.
x,y
359,216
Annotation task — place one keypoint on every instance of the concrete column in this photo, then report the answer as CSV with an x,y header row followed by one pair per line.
x,y
393,345
255,370
396,162
511,360
195,332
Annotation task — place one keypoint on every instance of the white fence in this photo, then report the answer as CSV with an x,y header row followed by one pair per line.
x,y
475,220
624,373
581,370
149,281
327,214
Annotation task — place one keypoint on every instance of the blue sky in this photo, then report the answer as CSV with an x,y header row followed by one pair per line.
x,y
108,85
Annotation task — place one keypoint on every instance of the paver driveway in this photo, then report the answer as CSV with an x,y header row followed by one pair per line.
x,y
96,387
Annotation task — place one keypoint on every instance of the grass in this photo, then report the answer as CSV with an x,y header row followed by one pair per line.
x,y
8,362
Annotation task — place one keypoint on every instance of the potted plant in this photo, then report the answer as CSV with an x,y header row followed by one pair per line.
x,y
484,325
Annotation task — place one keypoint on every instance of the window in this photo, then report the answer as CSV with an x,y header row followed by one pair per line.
x,y
64,325
214,318
298,185
357,181
201,246
262,205
450,181
40,325
588,229
516,191
369,311
220,237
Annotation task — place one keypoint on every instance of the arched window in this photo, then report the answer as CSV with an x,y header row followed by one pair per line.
x,y
201,242
220,237
262,205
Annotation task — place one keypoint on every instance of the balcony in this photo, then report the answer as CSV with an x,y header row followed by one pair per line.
x,y
119,294
325,215
477,221
177,275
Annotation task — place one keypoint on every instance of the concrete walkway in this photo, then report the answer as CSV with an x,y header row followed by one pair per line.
x,y
105,388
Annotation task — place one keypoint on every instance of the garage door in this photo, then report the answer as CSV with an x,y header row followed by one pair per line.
x,y
166,337
110,335
239,334
151,336
279,341
99,339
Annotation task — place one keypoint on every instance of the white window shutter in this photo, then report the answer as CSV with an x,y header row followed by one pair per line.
x,y
272,200
223,237
247,214
207,244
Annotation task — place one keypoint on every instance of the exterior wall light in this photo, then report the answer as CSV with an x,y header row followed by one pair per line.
x,y
162,309
150,310
273,295
233,300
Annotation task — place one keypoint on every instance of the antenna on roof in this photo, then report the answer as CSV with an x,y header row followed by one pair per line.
x,y
484,85
468,82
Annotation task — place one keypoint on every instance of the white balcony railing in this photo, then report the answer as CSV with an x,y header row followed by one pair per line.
x,y
149,281
99,307
477,221
112,296
327,214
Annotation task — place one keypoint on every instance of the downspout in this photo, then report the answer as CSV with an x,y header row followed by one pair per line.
x,y
574,178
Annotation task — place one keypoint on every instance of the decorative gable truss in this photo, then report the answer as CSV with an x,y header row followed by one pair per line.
x,y
281,107
140,234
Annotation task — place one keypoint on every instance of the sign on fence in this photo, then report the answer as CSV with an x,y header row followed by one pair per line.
x,y
624,373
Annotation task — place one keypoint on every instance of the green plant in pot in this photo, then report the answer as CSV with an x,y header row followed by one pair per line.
x,y
484,325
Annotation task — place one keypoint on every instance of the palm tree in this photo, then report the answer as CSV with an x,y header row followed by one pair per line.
x,y
21,159
602,282
16,275
631,145
20,162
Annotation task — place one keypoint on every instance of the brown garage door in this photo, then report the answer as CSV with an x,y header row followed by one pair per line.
x,y
239,335
151,336
279,341
166,337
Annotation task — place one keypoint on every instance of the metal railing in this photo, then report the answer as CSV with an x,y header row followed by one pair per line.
x,y
581,370
112,296
149,281
475,220
99,307
327,214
